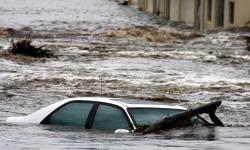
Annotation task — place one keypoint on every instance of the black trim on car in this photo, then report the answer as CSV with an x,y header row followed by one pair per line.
x,y
91,115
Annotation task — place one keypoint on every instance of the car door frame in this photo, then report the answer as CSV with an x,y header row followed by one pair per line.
x,y
91,116
95,108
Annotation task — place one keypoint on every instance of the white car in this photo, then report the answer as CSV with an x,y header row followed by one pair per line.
x,y
100,113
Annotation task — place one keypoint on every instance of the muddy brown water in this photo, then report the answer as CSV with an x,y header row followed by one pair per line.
x,y
183,72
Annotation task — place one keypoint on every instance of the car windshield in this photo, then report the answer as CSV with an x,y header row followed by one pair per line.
x,y
148,116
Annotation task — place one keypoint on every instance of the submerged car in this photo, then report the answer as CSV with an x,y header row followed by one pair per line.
x,y
102,114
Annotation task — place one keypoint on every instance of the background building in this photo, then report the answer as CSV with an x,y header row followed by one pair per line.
x,y
201,14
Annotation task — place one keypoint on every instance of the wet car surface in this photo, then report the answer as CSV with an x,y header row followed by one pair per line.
x,y
108,114
187,73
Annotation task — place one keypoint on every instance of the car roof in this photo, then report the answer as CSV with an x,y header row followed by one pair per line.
x,y
96,99
117,101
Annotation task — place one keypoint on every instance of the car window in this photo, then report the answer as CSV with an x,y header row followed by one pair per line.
x,y
196,120
148,116
74,114
110,118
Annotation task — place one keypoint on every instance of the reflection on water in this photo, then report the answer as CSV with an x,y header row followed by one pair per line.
x,y
184,72
197,133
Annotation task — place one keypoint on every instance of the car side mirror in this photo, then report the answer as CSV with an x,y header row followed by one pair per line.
x,y
121,131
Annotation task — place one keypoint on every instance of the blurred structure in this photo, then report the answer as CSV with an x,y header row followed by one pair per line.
x,y
202,15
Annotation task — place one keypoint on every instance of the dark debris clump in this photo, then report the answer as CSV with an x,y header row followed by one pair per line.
x,y
24,47
248,45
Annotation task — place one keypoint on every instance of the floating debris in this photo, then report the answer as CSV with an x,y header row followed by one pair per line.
x,y
122,2
180,119
247,38
24,47
248,44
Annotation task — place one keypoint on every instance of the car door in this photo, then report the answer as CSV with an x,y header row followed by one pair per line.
x,y
110,117
71,114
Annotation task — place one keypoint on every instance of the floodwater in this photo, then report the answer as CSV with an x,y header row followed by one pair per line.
x,y
88,63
